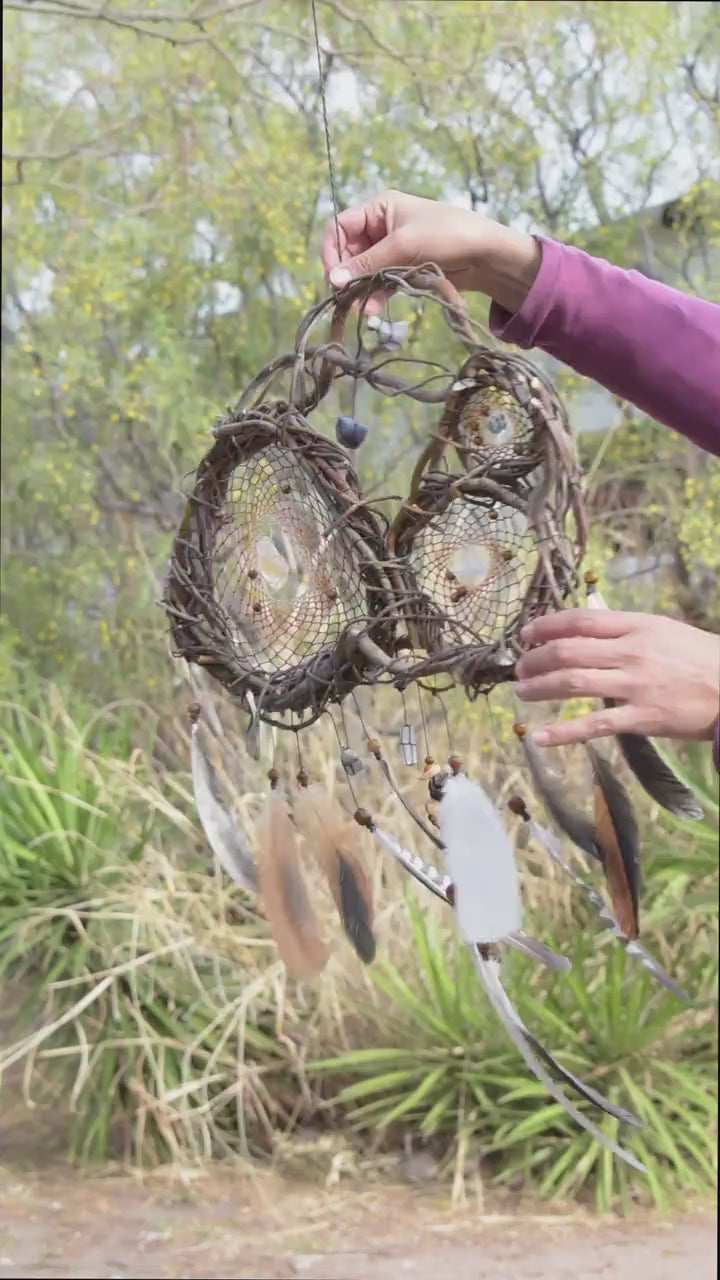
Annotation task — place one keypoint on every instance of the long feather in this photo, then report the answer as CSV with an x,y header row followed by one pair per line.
x,y
441,886
643,760
551,791
618,840
488,971
480,860
656,777
330,836
221,829
289,913
633,948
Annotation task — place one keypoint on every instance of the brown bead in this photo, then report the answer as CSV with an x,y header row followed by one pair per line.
x,y
273,777
517,805
459,594
332,595
363,818
194,712
373,746
429,762
455,763
450,575
303,777
508,553
492,514
286,488
519,730
252,574
257,607
591,578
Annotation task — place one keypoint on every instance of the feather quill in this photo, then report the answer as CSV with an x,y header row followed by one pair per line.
x,y
221,829
527,1046
618,841
633,948
330,836
289,913
480,861
642,759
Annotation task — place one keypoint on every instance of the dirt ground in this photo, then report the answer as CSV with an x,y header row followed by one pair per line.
x,y
175,1224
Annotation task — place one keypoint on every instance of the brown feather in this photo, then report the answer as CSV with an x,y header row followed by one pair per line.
x,y
332,837
288,910
617,835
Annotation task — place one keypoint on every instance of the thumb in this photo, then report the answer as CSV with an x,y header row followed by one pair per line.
x,y
388,252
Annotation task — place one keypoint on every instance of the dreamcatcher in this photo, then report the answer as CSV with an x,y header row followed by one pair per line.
x,y
291,589
296,592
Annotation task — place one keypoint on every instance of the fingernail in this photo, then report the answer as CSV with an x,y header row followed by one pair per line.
x,y
340,276
526,632
540,737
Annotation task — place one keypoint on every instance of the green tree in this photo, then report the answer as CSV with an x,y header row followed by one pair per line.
x,y
165,184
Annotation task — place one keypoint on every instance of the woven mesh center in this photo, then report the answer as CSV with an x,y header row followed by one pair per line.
x,y
286,576
494,426
476,567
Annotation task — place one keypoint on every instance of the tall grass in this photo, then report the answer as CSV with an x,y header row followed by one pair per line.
x,y
157,1013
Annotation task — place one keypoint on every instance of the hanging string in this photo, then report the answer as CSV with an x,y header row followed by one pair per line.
x,y
326,129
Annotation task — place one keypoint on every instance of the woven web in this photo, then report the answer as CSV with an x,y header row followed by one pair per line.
x,y
286,576
475,564
493,426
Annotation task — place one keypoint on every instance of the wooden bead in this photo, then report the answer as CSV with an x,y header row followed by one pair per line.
x,y
517,805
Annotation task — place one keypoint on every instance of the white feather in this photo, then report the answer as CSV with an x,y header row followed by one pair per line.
x,y
221,830
480,861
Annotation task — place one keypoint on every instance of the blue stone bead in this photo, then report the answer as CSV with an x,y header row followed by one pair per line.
x,y
349,432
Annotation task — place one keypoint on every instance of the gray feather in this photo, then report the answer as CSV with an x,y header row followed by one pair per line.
x,y
221,829
489,975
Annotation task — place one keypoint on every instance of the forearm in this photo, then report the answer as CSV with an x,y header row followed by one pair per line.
x,y
650,344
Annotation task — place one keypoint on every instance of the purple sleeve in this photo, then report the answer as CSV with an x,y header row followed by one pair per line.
x,y
649,344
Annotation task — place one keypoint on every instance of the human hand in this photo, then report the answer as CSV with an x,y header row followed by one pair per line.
x,y
398,230
664,675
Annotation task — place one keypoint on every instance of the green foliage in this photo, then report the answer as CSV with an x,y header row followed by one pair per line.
x,y
443,1067
155,1008
144,1018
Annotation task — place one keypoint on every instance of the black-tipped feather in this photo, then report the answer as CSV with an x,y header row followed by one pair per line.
x,y
573,824
354,913
488,972
641,758
330,836
656,777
